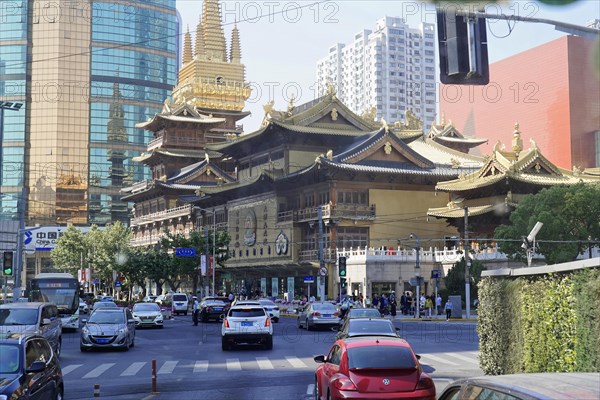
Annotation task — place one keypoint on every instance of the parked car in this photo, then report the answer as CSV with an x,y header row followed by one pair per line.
x,y
272,309
147,315
367,327
149,299
212,309
33,318
535,386
360,313
29,369
376,367
108,328
318,314
104,304
249,324
180,303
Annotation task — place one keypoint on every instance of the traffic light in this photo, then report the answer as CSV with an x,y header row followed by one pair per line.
x,y
7,263
342,267
343,282
463,48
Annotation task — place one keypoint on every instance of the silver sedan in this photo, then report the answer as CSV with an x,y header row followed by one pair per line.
x,y
108,328
318,314
147,314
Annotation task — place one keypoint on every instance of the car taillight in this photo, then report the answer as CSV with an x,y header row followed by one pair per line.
x,y
337,313
344,383
268,322
316,314
226,323
425,382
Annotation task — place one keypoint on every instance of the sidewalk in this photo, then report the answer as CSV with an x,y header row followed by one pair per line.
x,y
438,318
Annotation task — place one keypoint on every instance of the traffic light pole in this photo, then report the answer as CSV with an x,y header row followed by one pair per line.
x,y
19,256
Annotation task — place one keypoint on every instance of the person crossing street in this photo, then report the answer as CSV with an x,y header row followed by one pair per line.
x,y
195,310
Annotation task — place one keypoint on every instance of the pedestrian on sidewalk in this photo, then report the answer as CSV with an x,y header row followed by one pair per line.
x,y
195,310
448,308
393,305
428,306
438,305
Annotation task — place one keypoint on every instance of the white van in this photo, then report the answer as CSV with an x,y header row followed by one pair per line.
x,y
179,303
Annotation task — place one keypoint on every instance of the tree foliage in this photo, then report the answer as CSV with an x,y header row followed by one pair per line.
x,y
455,279
569,213
71,251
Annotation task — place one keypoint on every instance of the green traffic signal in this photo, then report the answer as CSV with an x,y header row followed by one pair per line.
x,y
343,282
7,263
342,266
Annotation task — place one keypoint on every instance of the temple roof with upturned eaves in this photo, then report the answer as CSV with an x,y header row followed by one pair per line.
x,y
447,134
183,113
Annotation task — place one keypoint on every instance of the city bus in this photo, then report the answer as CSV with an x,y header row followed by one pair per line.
x,y
61,289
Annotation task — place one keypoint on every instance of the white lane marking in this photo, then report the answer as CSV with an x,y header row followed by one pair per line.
x,y
134,368
167,367
438,359
310,389
264,363
201,366
233,364
99,370
70,368
296,362
461,357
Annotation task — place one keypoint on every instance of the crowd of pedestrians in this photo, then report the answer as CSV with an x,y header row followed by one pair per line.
x,y
430,305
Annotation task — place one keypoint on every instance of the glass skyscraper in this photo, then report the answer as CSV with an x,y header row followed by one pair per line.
x,y
87,72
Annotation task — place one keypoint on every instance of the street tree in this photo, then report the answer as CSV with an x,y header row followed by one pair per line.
x,y
71,251
570,215
455,279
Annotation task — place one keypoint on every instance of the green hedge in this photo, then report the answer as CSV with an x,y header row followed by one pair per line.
x,y
545,323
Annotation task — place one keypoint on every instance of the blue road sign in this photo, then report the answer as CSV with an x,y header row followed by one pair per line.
x,y
436,274
185,252
117,283
309,279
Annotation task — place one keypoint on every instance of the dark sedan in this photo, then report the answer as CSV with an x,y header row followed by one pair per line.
x,y
213,309
367,327
360,313
29,369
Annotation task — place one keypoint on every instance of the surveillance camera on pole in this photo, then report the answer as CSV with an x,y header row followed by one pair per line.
x,y
529,242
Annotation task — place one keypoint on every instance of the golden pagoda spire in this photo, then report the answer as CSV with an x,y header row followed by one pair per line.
x,y
212,31
235,55
187,47
199,49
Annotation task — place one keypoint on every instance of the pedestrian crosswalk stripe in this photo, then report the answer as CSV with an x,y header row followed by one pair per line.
x,y
310,389
70,368
461,357
437,359
133,369
264,363
167,367
201,366
233,364
99,370
296,362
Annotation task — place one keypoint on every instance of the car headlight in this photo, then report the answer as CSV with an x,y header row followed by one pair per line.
x,y
122,330
158,317
85,331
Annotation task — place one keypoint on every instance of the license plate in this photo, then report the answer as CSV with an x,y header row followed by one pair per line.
x,y
218,308
326,315
245,323
102,340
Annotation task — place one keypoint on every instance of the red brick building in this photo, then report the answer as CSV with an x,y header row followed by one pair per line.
x,y
552,91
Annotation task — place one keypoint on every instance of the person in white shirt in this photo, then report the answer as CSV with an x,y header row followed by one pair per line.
x,y
195,310
438,305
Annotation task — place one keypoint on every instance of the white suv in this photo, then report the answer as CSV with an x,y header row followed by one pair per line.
x,y
247,324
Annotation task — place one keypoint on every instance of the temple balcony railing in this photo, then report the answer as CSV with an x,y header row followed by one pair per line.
x,y
175,140
183,211
312,255
356,212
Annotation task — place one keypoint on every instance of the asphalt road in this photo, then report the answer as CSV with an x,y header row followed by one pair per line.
x,y
191,365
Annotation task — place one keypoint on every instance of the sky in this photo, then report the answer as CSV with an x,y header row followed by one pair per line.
x,y
283,40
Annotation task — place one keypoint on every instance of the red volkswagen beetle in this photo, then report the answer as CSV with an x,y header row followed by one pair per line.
x,y
373,367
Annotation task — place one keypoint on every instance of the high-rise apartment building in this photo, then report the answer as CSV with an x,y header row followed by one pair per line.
x,y
391,69
86,72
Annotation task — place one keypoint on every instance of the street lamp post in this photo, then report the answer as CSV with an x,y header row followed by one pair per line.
x,y
214,260
417,274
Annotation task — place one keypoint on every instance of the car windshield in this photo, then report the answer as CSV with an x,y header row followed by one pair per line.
x,y
213,303
9,359
247,312
324,307
267,303
371,327
18,316
380,357
146,307
107,318
180,297
366,312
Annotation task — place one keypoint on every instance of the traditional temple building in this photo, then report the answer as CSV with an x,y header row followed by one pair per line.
x,y
447,135
206,105
492,192
318,173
